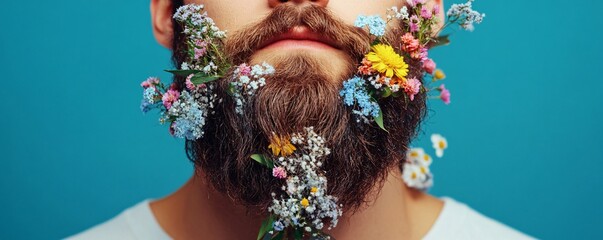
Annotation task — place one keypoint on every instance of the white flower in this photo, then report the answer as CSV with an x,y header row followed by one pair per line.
x,y
418,156
439,144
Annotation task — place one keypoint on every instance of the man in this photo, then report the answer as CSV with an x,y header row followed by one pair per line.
x,y
314,47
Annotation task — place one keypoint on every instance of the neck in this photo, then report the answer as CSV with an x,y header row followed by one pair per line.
x,y
393,212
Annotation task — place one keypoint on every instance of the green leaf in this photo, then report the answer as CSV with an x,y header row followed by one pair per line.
x,y
398,94
201,78
266,226
386,92
299,234
183,73
231,89
440,41
279,236
379,120
263,160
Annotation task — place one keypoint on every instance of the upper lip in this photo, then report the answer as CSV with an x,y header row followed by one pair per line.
x,y
301,33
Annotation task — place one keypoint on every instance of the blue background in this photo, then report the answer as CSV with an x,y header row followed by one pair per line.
x,y
524,125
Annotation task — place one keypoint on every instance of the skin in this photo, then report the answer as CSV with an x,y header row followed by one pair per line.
x,y
394,210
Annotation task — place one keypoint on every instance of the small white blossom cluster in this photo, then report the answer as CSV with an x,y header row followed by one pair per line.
x,y
394,13
378,82
247,80
202,35
415,172
306,203
189,112
465,15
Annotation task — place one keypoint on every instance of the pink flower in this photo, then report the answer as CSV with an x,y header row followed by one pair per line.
x,y
279,172
190,85
169,98
414,3
411,87
366,68
444,94
414,23
420,54
409,43
436,9
425,13
429,65
149,82
244,69
200,49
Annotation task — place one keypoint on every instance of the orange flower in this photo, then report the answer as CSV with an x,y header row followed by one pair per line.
x,y
281,145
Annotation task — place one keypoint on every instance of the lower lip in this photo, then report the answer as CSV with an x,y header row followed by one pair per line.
x,y
299,44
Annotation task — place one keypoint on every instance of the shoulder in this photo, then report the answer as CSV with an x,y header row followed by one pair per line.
x,y
136,222
459,221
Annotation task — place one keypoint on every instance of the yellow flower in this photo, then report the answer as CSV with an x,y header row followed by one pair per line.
x,y
439,75
314,190
281,145
386,61
305,202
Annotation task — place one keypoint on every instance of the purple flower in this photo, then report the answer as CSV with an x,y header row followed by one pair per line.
x,y
414,23
444,94
151,81
169,98
279,172
425,13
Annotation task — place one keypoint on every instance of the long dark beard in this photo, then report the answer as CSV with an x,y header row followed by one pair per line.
x,y
300,95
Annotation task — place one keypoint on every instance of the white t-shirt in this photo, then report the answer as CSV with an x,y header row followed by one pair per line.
x,y
456,221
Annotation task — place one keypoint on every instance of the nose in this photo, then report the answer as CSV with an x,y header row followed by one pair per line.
x,y
322,3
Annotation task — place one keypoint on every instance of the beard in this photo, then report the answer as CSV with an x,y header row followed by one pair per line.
x,y
301,93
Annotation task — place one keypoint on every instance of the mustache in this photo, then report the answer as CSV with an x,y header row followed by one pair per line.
x,y
242,44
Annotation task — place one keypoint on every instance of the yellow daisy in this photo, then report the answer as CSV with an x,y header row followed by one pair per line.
x,y
386,61
305,202
281,145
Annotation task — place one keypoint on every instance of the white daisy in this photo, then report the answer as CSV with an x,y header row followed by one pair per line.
x,y
439,144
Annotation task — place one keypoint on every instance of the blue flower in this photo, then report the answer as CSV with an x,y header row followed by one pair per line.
x,y
150,94
278,226
375,23
354,93
191,118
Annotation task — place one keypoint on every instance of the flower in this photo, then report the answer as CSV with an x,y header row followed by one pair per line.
x,y
281,145
420,54
151,81
417,176
439,144
414,3
279,172
399,14
465,15
366,68
314,190
354,91
439,75
425,12
429,65
409,43
150,94
169,98
386,61
304,202
190,116
278,226
411,87
444,94
414,23
375,24
436,9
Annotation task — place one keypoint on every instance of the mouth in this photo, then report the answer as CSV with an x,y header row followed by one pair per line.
x,y
300,37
